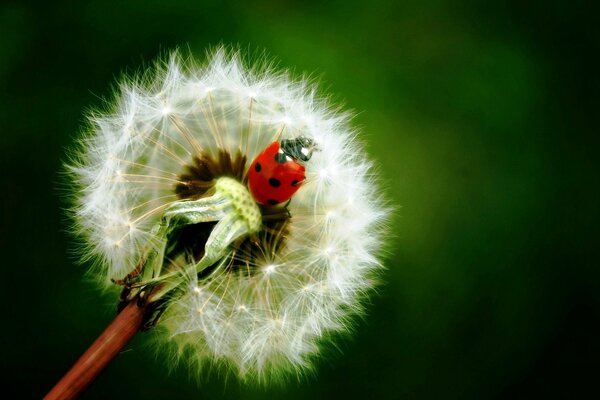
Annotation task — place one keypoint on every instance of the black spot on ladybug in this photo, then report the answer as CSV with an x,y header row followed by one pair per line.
x,y
274,182
294,182
280,158
272,202
257,167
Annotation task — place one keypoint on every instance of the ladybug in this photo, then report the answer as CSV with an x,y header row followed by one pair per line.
x,y
276,173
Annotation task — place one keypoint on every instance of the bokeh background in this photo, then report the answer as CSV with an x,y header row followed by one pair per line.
x,y
481,116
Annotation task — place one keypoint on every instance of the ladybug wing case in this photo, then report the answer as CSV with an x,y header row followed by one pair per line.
x,y
273,178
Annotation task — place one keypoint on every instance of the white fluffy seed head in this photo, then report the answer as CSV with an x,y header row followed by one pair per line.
x,y
265,323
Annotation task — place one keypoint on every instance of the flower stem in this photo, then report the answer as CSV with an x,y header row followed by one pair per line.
x,y
121,330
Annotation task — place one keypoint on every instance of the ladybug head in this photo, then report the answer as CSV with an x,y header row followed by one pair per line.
x,y
300,148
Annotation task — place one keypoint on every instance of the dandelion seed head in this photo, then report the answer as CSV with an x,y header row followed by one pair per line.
x,y
175,132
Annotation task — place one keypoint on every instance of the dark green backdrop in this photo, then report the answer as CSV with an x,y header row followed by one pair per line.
x,y
481,117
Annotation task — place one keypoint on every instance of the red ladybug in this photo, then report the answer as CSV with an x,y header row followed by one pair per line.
x,y
275,174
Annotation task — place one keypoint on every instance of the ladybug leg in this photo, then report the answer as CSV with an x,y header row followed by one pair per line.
x,y
287,210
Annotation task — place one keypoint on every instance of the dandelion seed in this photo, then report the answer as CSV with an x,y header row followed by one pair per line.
x,y
232,275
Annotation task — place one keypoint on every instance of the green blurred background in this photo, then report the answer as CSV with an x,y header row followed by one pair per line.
x,y
479,115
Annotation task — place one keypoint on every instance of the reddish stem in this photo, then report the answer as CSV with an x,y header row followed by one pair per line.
x,y
123,328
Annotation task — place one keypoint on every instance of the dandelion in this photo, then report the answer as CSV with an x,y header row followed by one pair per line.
x,y
183,201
